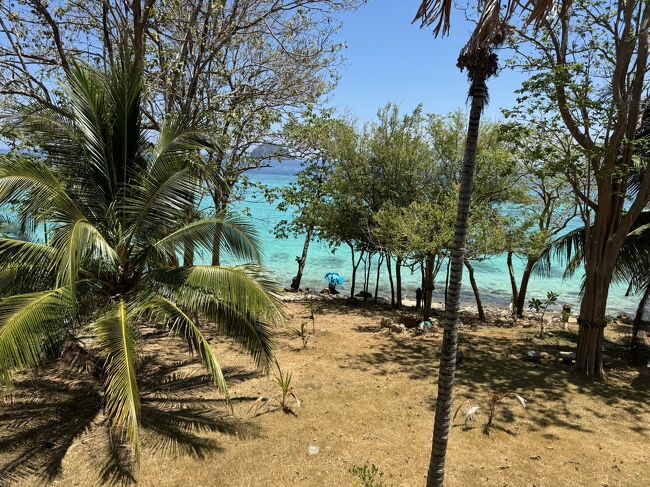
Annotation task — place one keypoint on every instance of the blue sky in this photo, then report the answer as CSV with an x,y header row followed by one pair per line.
x,y
390,59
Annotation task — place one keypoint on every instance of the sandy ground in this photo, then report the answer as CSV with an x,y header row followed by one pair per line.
x,y
367,397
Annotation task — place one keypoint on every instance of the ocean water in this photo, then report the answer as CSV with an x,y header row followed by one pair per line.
x,y
491,275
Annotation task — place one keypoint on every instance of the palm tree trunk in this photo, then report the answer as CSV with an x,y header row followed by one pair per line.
x,y
436,474
477,294
447,280
295,282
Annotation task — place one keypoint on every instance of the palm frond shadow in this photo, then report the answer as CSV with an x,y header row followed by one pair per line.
x,y
40,420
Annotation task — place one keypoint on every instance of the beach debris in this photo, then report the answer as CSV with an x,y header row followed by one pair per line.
x,y
397,328
385,323
425,325
313,450
409,321
568,357
534,355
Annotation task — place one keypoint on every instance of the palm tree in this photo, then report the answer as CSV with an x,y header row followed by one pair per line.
x,y
114,203
480,60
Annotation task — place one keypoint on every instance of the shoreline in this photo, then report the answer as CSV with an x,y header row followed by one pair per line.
x,y
492,311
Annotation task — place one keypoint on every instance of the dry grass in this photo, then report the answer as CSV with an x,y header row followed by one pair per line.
x,y
367,396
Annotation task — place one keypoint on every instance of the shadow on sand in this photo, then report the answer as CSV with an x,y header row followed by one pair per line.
x,y
494,363
40,418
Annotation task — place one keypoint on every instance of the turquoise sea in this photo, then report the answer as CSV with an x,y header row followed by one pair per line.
x,y
491,275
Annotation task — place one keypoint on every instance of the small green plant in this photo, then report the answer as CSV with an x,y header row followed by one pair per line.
x,y
489,408
303,333
540,307
369,475
287,401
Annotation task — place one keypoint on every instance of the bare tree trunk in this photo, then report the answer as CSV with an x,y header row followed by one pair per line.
x,y
189,247
355,266
477,294
365,296
601,252
390,279
636,324
523,287
629,289
442,423
295,282
380,260
220,201
138,34
398,279
216,248
188,254
428,286
513,282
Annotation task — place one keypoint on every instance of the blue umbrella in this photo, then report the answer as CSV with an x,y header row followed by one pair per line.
x,y
335,278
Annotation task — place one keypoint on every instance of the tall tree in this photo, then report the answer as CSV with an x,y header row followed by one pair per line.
x,y
547,208
480,61
587,71
318,141
419,233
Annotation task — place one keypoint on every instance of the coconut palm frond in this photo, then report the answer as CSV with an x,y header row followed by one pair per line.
x,y
493,21
87,92
75,242
238,237
183,325
38,190
20,252
22,279
632,263
567,249
240,300
180,137
633,260
436,12
117,345
160,197
31,325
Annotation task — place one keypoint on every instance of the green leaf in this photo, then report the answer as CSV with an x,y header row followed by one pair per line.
x,y
242,301
238,237
118,348
183,325
30,327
